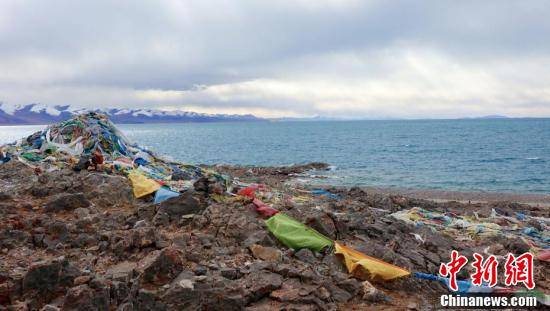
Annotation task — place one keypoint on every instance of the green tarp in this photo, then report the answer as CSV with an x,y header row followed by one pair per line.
x,y
296,235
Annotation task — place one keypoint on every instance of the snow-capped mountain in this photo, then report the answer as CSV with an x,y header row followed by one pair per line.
x,y
42,114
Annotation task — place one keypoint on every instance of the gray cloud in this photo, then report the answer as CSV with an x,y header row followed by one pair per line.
x,y
340,58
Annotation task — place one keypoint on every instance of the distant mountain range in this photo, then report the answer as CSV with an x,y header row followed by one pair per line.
x,y
42,114
492,117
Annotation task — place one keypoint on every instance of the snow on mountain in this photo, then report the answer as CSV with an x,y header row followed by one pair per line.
x,y
53,111
44,114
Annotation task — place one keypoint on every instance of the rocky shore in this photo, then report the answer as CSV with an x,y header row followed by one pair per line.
x,y
81,241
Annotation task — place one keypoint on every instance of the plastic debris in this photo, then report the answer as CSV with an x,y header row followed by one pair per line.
x,y
376,268
91,141
164,194
4,158
323,192
296,235
463,286
467,228
250,191
142,185
263,208
418,237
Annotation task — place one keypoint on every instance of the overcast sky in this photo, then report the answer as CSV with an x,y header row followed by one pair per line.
x,y
347,58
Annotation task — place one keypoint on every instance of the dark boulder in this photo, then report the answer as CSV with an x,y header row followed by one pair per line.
x,y
160,267
66,202
190,202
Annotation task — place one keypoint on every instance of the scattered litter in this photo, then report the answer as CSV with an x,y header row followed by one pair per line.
x,y
463,286
296,235
142,185
91,141
263,208
465,228
325,193
418,237
374,267
164,194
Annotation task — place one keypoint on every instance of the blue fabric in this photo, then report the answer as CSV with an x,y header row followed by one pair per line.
x,y
520,216
325,193
37,143
140,161
463,286
5,159
164,194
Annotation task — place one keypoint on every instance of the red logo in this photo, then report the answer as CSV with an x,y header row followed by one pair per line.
x,y
484,271
451,268
519,270
516,270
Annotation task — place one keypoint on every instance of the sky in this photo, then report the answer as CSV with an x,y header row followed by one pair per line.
x,y
299,58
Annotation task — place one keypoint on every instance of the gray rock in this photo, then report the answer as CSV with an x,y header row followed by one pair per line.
x,y
338,294
189,202
43,277
4,291
142,237
66,202
108,190
4,196
81,212
161,219
350,285
57,232
148,300
119,293
183,293
306,255
266,253
122,272
200,270
262,284
79,298
324,224
160,267
12,238
259,237
231,273
294,291
146,211
141,224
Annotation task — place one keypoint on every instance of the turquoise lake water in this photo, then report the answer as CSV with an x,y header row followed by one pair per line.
x,y
509,155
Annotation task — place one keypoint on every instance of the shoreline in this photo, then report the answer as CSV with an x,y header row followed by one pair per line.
x,y
291,174
472,197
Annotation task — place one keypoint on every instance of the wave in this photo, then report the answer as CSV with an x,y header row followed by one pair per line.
x,y
497,160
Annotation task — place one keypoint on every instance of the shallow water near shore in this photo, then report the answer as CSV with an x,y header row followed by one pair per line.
x,y
504,155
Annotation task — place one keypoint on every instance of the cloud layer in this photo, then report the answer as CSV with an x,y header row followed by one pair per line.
x,y
351,59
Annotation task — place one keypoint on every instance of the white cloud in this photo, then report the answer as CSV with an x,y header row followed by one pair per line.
x,y
284,58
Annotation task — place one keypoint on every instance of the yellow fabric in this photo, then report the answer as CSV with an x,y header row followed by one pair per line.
x,y
142,185
375,267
